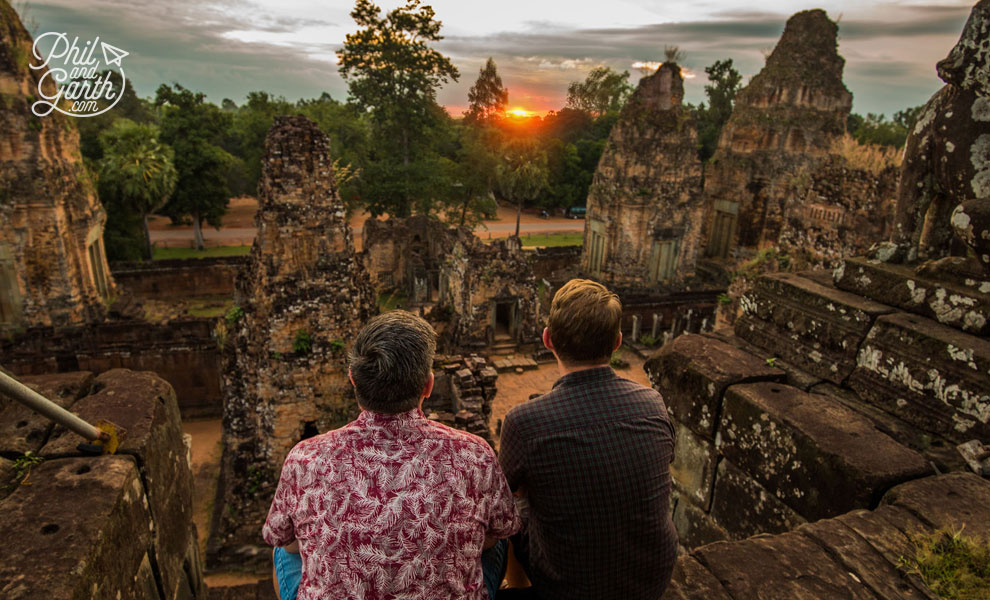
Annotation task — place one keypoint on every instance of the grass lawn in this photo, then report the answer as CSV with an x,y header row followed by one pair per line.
x,y
167,253
553,239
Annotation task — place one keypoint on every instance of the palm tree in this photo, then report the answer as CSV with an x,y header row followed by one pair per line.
x,y
136,170
521,174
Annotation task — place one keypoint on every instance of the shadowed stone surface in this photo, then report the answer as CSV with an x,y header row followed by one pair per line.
x,y
816,328
693,467
22,429
80,530
745,508
963,304
692,581
145,406
692,372
928,374
949,501
815,455
782,567
695,527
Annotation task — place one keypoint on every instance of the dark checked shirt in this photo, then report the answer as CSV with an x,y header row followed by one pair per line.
x,y
593,456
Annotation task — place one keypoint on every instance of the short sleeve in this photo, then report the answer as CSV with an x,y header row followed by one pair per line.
x,y
512,454
279,529
503,518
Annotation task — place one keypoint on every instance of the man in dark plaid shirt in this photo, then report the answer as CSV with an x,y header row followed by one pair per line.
x,y
592,458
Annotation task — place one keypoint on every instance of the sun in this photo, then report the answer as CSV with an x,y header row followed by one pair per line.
x,y
520,113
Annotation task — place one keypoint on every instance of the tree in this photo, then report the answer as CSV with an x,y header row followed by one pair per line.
x,y
721,92
602,91
521,174
487,97
394,74
195,129
136,173
876,129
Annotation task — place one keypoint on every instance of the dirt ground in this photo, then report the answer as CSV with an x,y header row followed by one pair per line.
x,y
238,226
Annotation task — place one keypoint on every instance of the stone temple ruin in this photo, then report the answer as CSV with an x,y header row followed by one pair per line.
x,y
53,269
775,179
644,206
839,398
304,296
477,295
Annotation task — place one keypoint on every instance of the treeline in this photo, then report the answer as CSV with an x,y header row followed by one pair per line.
x,y
396,150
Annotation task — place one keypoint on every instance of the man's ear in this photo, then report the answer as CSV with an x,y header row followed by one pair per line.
x,y
428,389
546,339
618,342
350,376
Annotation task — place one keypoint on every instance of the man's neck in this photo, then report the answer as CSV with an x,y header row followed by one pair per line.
x,y
566,369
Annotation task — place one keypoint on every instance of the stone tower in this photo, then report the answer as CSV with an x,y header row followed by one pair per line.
x,y
775,179
53,270
302,298
644,206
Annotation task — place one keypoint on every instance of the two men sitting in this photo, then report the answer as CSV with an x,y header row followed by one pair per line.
x,y
394,505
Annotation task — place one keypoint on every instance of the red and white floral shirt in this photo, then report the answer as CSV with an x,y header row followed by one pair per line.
x,y
391,506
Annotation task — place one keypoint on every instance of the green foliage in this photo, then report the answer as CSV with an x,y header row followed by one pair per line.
x,y
772,361
521,174
548,240
211,252
130,107
487,98
725,83
234,314
648,340
394,74
195,129
877,130
724,298
603,90
617,362
337,345
954,566
22,469
136,177
303,342
388,301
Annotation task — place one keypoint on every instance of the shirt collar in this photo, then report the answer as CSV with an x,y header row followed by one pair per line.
x,y
372,418
586,376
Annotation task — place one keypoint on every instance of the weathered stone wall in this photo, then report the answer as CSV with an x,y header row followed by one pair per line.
x,y
644,206
100,527
556,264
304,296
183,352
856,555
180,278
52,265
406,255
774,180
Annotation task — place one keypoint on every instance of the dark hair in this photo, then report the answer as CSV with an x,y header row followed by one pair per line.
x,y
391,361
584,322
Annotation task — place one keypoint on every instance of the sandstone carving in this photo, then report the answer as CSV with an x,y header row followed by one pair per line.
x,y
53,269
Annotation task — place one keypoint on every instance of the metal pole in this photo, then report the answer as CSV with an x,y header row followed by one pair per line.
x,y
18,391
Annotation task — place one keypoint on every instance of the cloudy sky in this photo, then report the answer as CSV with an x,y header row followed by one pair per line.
x,y
227,48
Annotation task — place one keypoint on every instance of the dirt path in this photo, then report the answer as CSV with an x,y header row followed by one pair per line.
x,y
238,226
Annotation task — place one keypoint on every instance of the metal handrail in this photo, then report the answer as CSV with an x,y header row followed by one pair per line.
x,y
18,391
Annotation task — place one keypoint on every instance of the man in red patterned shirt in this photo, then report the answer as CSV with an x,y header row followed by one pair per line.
x,y
392,505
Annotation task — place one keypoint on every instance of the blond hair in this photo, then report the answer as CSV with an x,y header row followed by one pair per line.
x,y
585,319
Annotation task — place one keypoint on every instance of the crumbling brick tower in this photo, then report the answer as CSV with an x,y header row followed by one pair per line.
x,y
303,297
776,178
644,206
53,269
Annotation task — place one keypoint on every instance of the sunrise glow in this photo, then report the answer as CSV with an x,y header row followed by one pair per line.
x,y
520,113
647,67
